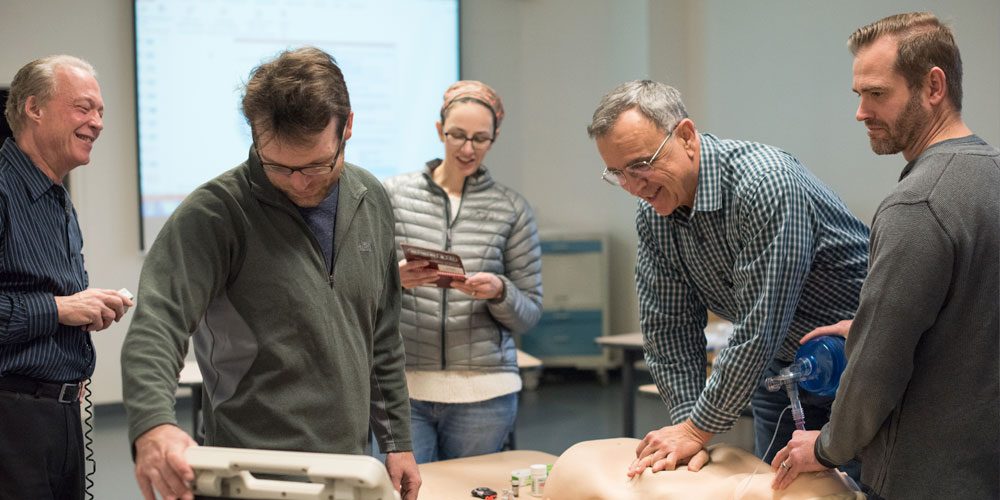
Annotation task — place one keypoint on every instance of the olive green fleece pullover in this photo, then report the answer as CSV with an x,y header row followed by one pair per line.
x,y
293,358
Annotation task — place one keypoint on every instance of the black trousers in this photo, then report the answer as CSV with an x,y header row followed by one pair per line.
x,y
41,448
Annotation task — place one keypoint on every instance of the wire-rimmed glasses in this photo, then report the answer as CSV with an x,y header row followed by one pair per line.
x,y
619,176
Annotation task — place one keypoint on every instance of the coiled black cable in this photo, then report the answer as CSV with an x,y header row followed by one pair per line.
x,y
88,444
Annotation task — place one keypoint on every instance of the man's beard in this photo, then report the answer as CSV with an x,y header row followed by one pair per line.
x,y
904,131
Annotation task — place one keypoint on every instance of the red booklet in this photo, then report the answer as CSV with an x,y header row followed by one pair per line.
x,y
448,265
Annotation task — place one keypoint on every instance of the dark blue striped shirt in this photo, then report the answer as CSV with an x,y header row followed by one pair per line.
x,y
40,258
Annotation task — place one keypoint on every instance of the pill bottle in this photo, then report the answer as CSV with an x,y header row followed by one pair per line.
x,y
539,473
520,480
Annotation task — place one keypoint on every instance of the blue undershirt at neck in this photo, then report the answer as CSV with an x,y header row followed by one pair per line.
x,y
322,220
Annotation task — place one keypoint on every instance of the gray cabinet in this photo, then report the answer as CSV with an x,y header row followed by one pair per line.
x,y
575,282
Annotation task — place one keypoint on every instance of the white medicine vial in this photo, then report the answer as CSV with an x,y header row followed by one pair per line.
x,y
539,473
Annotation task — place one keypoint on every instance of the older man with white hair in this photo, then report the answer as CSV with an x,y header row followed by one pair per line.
x,y
47,310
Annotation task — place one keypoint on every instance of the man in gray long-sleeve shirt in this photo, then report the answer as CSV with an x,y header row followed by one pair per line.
x,y
920,399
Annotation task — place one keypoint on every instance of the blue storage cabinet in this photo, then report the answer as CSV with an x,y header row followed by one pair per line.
x,y
575,283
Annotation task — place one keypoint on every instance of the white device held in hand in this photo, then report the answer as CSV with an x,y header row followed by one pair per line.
x,y
128,295
226,472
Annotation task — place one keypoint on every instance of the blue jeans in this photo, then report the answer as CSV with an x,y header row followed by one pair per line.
x,y
767,407
442,431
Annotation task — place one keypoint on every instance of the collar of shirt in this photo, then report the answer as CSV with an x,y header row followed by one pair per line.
x,y
480,180
325,208
36,182
708,195
969,139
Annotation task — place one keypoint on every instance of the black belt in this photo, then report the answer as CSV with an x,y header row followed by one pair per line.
x,y
63,393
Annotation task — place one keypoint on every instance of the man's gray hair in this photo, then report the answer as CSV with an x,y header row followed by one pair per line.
x,y
660,103
37,78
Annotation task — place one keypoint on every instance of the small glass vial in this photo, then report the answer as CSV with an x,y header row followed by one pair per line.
x,y
539,473
520,480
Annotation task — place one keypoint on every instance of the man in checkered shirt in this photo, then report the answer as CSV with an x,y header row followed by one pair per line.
x,y
738,228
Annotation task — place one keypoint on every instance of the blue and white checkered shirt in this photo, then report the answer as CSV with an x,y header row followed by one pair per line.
x,y
766,246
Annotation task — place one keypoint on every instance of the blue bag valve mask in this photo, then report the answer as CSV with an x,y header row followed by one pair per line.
x,y
817,368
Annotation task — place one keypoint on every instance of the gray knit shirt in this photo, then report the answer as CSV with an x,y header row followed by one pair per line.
x,y
920,399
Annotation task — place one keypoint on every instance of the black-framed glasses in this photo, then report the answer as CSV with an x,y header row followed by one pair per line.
x,y
457,140
619,176
308,170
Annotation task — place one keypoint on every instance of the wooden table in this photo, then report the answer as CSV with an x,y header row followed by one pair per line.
x,y
455,479
649,390
631,347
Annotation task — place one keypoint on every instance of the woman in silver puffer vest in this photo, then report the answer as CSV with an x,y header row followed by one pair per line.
x,y
461,362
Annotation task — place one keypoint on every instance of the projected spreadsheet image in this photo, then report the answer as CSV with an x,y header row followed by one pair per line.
x,y
193,57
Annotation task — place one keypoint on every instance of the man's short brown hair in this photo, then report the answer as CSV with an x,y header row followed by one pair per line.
x,y
923,43
294,96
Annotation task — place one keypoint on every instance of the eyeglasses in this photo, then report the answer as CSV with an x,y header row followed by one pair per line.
x,y
457,140
309,170
619,176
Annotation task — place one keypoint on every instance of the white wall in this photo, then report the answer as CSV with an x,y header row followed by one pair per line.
x,y
551,60
770,70
775,71
779,72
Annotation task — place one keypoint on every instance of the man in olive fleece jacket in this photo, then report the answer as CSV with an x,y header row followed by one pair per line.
x,y
284,270
920,398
